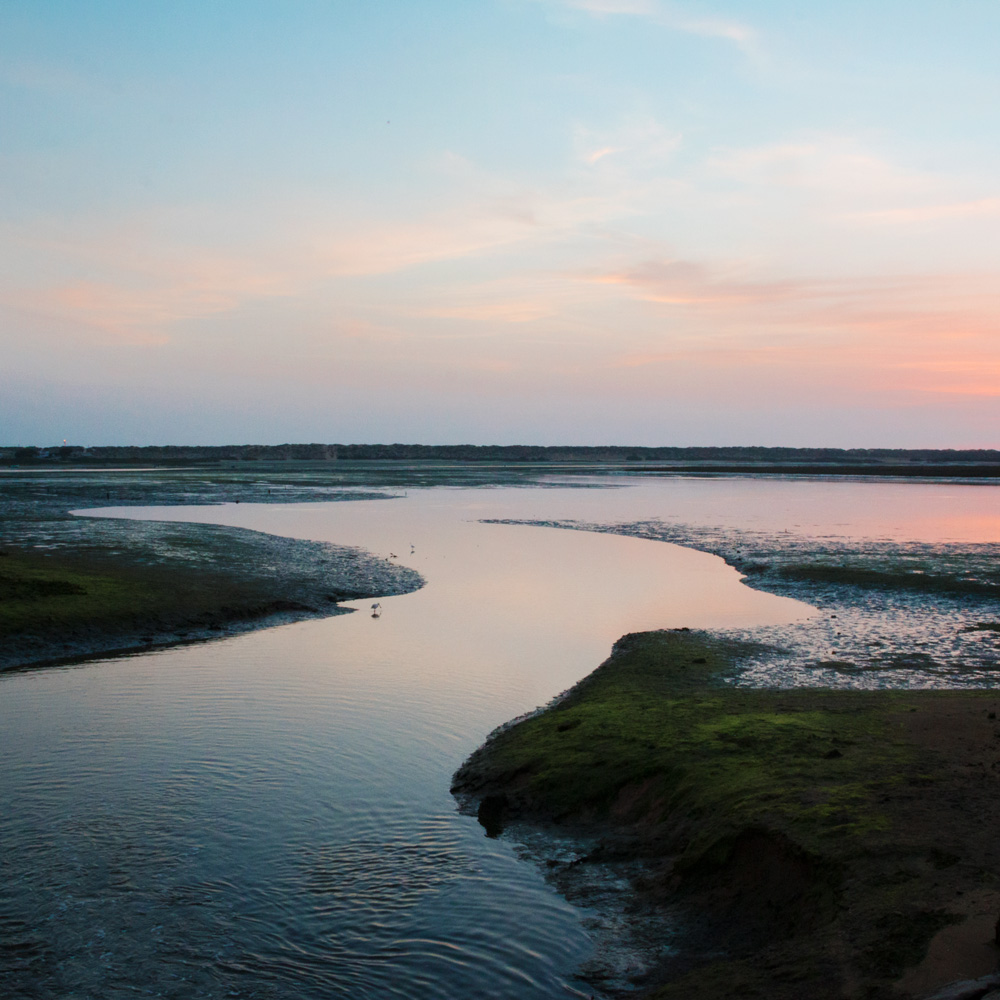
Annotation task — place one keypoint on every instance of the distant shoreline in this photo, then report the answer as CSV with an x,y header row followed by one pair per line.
x,y
930,462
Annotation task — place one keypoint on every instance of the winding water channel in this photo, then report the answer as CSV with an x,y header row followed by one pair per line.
x,y
269,816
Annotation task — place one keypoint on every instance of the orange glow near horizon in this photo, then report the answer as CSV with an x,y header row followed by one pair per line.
x,y
646,221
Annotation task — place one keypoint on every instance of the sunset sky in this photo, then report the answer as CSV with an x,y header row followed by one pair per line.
x,y
500,221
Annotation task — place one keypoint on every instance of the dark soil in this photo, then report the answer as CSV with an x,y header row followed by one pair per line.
x,y
779,844
77,587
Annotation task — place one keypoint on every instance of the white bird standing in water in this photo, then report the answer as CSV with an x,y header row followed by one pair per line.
x,y
376,610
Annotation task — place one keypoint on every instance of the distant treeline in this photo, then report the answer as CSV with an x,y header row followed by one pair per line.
x,y
815,458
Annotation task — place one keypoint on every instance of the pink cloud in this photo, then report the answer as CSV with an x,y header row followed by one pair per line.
x,y
141,312
599,154
672,17
978,208
492,312
908,334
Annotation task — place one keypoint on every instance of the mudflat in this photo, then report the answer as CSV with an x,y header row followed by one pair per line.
x,y
804,842
76,587
774,843
794,810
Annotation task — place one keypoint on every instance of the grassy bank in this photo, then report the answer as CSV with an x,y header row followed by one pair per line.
x,y
824,839
70,604
73,587
134,586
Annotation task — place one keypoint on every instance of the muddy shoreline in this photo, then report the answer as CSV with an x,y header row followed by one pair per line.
x,y
757,843
76,587
895,621
891,614
176,584
924,614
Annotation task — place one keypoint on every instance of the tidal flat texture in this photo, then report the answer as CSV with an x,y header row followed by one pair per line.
x,y
893,613
72,587
788,843
739,842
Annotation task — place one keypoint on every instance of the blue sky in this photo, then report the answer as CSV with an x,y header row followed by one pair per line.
x,y
542,221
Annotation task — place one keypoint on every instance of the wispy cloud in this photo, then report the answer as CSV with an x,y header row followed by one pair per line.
x,y
132,293
921,299
386,248
142,313
681,282
640,8
673,18
638,144
525,311
599,154
823,163
974,209
915,333
125,282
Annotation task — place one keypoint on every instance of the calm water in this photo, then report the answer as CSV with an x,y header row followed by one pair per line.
x,y
268,815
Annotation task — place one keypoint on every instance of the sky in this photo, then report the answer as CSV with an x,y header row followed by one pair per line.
x,y
500,221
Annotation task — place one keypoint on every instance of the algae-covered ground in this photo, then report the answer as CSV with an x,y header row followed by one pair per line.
x,y
819,812
164,584
72,587
828,841
787,843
